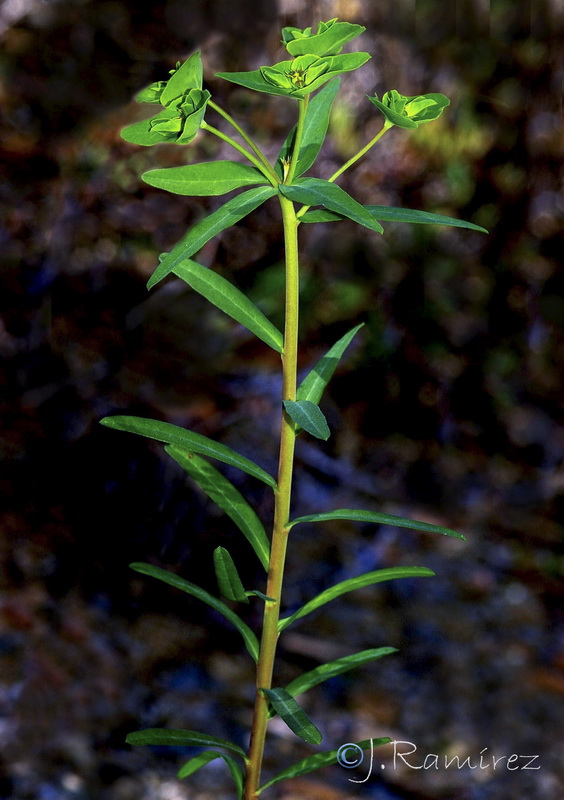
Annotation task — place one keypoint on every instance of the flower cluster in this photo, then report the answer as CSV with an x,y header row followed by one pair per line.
x,y
316,59
410,112
184,103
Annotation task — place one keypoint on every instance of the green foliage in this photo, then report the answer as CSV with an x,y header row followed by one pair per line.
x,y
327,671
187,440
313,385
184,104
311,78
316,192
316,123
410,112
251,641
309,417
228,579
226,496
359,515
360,582
200,761
180,738
391,214
299,77
204,180
311,763
230,300
293,715
328,41
199,234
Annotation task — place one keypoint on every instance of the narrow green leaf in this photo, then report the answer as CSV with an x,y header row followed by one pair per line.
x,y
261,595
312,763
393,214
315,128
228,579
368,579
194,442
204,230
309,417
222,492
230,300
326,671
313,385
205,179
197,763
317,192
359,515
202,759
293,715
251,641
180,738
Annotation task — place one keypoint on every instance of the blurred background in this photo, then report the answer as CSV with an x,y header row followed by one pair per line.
x,y
447,407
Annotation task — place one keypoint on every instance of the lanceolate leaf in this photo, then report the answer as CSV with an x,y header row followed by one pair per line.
x,y
358,515
261,595
293,715
205,179
222,492
313,385
315,127
312,763
309,417
228,579
368,579
230,300
333,668
317,192
251,641
204,230
180,738
392,214
193,442
201,760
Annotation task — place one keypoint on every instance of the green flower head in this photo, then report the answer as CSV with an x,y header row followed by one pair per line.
x,y
299,77
184,104
410,112
181,121
296,75
328,41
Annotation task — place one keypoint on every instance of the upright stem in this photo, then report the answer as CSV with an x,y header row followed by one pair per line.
x,y
282,505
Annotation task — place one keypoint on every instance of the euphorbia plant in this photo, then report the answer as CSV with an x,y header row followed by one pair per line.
x,y
310,79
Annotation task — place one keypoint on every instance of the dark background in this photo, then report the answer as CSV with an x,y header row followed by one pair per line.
x,y
448,406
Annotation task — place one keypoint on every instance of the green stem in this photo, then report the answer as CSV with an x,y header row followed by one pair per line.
x,y
245,136
271,178
302,108
360,153
282,505
351,161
